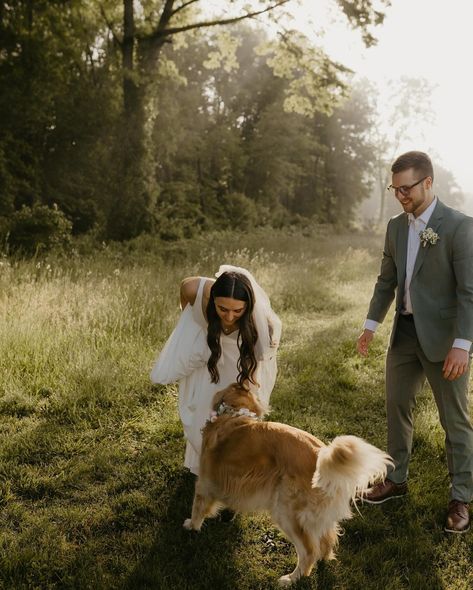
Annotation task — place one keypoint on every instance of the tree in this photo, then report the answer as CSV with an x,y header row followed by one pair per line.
x,y
137,189
342,162
56,109
404,114
142,41
89,118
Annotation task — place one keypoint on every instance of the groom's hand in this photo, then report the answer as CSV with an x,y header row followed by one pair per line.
x,y
456,363
364,341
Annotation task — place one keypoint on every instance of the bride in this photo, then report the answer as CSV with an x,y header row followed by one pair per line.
x,y
227,332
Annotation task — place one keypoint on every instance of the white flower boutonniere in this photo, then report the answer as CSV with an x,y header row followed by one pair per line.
x,y
428,236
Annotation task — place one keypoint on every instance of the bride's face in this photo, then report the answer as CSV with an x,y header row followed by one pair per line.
x,y
229,310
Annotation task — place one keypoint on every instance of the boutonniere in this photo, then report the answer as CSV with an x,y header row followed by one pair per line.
x,y
428,236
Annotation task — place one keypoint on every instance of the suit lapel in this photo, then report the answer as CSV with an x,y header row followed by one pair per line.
x,y
434,222
401,258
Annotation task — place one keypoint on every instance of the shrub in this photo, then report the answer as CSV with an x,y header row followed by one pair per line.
x,y
240,211
4,229
178,214
84,215
38,228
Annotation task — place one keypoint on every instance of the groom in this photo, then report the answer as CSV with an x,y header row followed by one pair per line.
x,y
427,267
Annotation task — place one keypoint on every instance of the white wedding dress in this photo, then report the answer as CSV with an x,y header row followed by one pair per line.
x,y
184,359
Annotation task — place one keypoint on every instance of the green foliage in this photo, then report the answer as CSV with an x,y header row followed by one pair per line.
x,y
230,133
57,109
314,83
178,213
223,111
37,229
240,212
364,14
223,55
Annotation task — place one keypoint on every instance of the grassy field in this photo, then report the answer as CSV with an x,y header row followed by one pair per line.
x,y
92,489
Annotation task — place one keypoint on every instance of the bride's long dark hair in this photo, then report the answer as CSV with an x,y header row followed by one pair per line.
x,y
235,286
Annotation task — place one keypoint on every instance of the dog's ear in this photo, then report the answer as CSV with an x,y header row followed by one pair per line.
x,y
219,396
217,400
239,396
256,405
243,397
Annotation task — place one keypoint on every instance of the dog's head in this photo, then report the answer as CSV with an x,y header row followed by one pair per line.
x,y
239,397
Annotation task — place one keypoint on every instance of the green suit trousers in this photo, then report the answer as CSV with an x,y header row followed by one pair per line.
x,y
407,367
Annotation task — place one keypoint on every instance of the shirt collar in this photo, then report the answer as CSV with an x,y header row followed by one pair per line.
x,y
425,216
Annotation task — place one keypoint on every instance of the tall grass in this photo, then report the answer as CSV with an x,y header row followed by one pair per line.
x,y
92,489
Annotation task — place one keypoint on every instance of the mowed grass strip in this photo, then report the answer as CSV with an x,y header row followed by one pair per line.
x,y
92,489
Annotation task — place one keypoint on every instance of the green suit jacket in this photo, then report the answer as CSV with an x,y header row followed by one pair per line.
x,y
441,287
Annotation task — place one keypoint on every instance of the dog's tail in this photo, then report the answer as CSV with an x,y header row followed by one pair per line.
x,y
348,465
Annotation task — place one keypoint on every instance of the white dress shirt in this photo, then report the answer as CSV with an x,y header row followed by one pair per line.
x,y
416,225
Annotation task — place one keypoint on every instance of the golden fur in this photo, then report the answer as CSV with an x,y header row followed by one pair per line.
x,y
306,486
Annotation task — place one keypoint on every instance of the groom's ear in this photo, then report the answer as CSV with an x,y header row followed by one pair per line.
x,y
428,182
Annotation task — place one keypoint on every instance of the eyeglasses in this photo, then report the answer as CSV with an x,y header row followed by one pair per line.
x,y
404,190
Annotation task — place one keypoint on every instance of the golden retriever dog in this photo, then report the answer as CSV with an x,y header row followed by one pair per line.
x,y
307,486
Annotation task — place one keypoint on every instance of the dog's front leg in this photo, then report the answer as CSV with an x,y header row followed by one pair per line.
x,y
202,507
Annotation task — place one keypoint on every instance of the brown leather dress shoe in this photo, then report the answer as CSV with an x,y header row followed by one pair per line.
x,y
386,490
458,517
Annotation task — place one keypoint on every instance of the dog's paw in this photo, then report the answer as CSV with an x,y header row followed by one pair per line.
x,y
285,581
188,524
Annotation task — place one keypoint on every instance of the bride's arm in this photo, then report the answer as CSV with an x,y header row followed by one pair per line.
x,y
189,288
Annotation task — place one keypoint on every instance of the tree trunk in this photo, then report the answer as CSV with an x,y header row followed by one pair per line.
x,y
128,46
382,194
130,214
136,185
2,15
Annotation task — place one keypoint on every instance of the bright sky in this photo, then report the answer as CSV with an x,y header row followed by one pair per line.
x,y
419,38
